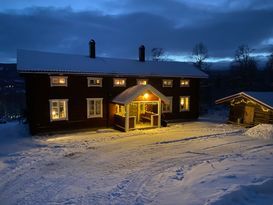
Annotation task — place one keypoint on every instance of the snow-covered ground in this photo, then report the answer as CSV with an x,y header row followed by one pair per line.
x,y
199,162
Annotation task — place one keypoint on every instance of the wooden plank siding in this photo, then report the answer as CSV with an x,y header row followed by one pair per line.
x,y
260,115
39,92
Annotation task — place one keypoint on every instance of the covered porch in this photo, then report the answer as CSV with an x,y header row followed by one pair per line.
x,y
138,107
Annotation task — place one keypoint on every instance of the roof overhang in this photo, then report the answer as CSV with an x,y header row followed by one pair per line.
x,y
39,62
241,94
128,95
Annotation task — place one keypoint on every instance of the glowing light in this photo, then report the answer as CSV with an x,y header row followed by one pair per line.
x,y
234,102
62,80
142,82
184,83
146,96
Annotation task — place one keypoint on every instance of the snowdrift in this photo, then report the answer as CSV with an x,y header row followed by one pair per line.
x,y
263,131
257,193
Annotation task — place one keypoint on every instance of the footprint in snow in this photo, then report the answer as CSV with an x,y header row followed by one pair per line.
x,y
117,191
179,174
141,201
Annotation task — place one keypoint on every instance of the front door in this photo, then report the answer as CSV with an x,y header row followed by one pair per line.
x,y
249,115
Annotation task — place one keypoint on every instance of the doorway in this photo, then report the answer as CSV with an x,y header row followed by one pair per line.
x,y
145,113
249,115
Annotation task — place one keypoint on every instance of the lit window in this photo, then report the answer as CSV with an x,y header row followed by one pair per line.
x,y
184,103
168,83
167,107
120,110
142,82
184,83
94,82
58,81
58,109
94,107
119,82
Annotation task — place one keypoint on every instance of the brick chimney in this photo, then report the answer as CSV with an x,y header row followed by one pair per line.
x,y
92,49
142,53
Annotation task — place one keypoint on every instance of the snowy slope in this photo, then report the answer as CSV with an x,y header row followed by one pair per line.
x,y
189,163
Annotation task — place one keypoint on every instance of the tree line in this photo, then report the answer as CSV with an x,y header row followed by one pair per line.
x,y
244,72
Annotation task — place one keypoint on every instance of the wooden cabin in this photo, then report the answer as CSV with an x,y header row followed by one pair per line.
x,y
66,92
249,108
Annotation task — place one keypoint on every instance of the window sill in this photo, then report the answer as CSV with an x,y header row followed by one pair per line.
x,y
90,117
61,119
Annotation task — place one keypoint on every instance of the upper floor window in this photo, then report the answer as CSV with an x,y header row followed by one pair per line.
x,y
184,103
167,107
167,83
184,83
142,81
58,109
119,82
94,107
94,82
58,81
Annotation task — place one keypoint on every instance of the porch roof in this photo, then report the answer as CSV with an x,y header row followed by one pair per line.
x,y
133,92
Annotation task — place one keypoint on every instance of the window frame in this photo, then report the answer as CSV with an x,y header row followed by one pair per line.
x,y
58,85
94,78
139,80
88,108
116,85
184,110
167,86
184,86
171,105
51,106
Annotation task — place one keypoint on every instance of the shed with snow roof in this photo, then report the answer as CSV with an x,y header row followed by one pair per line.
x,y
249,108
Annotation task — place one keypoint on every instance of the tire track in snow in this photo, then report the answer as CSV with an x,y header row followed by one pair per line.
x,y
224,134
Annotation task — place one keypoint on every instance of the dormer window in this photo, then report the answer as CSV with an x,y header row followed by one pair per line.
x,y
184,83
94,82
167,83
119,82
58,81
142,81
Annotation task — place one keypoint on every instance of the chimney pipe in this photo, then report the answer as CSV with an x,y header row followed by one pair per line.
x,y
92,49
142,53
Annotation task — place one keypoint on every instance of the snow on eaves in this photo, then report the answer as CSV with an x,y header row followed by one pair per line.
x,y
264,98
131,93
46,62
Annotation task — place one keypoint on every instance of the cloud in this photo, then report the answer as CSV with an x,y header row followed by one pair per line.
x,y
173,25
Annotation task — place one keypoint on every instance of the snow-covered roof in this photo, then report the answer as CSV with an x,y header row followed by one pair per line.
x,y
46,62
264,98
133,92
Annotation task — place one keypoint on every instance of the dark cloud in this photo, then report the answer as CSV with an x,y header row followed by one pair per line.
x,y
172,25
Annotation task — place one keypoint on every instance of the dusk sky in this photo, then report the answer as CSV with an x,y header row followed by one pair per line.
x,y
119,27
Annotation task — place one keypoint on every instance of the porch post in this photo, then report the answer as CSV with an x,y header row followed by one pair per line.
x,y
159,113
127,118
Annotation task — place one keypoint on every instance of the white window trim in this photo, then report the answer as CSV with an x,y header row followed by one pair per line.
x,y
119,79
180,102
58,85
167,86
139,80
94,116
184,86
66,110
94,78
171,105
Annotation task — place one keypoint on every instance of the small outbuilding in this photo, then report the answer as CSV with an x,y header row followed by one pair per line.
x,y
249,108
